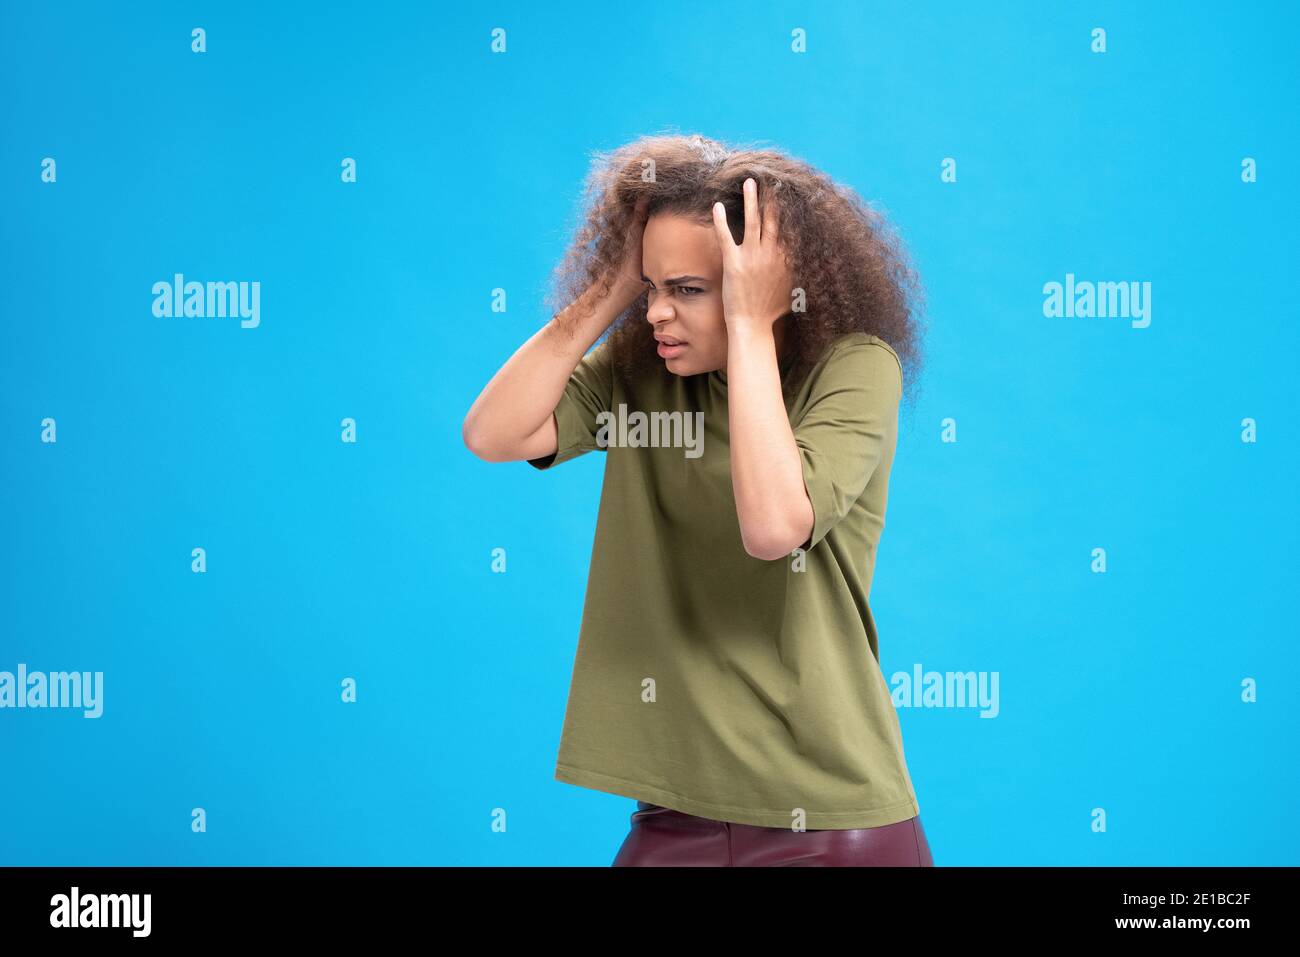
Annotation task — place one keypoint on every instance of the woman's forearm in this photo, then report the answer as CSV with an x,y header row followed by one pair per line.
x,y
508,420
772,503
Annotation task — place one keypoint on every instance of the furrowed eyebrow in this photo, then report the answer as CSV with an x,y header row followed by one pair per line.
x,y
676,280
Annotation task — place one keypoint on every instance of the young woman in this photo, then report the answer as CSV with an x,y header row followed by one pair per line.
x,y
746,399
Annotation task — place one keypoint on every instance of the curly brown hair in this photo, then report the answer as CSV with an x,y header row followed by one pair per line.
x,y
850,263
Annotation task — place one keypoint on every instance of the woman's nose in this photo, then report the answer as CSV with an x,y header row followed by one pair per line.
x,y
658,312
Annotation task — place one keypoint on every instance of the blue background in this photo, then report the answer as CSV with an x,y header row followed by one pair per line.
x,y
326,560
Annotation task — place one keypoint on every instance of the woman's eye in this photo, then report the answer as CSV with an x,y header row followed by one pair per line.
x,y
687,290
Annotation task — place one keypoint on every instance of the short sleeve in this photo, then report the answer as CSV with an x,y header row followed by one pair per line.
x,y
588,393
850,420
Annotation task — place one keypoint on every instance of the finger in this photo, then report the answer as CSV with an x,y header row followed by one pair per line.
x,y
720,227
771,221
752,226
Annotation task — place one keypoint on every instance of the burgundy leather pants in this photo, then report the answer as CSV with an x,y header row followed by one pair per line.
x,y
662,837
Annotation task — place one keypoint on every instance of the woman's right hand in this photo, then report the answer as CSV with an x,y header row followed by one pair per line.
x,y
627,279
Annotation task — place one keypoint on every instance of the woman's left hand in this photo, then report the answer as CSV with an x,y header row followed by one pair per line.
x,y
756,278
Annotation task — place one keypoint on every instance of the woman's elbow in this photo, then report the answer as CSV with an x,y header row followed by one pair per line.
x,y
478,442
768,547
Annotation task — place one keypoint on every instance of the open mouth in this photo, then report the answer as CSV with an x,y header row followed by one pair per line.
x,y
669,348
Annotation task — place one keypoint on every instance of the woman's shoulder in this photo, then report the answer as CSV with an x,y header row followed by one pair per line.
x,y
858,343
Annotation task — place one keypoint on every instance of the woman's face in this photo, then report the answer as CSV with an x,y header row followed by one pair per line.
x,y
682,262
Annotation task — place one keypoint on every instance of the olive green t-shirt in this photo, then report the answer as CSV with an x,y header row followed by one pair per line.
x,y
707,680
